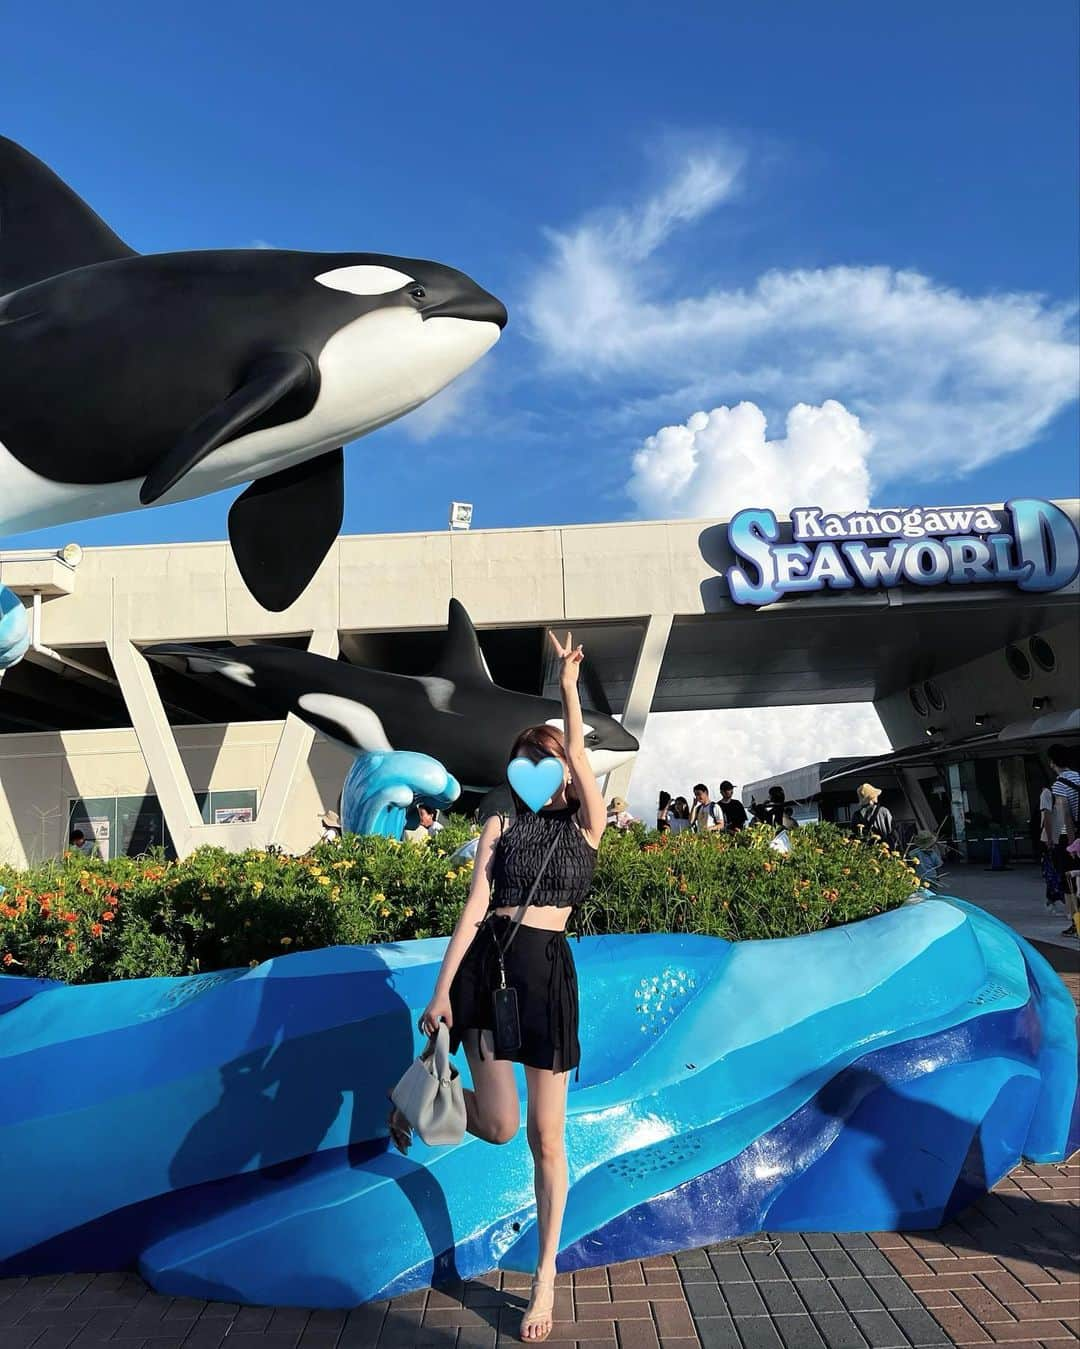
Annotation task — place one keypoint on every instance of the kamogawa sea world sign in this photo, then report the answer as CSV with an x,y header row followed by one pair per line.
x,y
1030,543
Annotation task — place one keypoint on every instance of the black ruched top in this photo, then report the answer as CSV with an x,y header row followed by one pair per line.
x,y
520,851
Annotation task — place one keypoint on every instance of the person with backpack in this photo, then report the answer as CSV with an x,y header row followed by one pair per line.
x,y
872,819
706,815
1060,823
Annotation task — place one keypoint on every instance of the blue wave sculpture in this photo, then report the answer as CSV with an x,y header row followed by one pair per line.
x,y
382,785
14,629
224,1133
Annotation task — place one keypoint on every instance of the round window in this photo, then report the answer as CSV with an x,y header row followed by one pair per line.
x,y
1018,662
1042,653
934,695
918,702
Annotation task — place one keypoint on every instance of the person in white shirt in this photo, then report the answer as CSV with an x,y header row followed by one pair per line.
x,y
706,815
618,816
331,823
429,820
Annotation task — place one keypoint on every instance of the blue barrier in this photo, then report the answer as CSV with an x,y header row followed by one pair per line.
x,y
225,1133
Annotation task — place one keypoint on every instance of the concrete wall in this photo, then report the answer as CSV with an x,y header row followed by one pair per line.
x,y
41,774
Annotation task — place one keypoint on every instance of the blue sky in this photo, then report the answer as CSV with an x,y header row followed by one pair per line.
x,y
867,209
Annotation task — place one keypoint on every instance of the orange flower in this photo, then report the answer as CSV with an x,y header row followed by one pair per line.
x,y
9,959
96,929
70,917
107,916
71,947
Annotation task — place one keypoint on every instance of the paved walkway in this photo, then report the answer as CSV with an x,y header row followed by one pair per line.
x,y
1004,1272
1017,896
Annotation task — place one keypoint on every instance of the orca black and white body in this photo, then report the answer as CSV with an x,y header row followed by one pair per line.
x,y
457,714
129,380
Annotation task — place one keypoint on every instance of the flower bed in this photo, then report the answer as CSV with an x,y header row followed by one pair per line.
x,y
83,920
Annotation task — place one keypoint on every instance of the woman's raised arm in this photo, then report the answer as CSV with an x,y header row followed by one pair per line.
x,y
593,811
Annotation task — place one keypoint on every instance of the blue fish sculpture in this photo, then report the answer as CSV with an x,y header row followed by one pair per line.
x,y
382,785
14,630
224,1134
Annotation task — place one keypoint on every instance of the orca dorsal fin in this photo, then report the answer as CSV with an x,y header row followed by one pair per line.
x,y
461,659
45,228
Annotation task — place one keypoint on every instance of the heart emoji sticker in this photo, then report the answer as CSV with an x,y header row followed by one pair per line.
x,y
535,783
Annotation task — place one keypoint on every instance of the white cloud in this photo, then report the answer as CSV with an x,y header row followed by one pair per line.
x,y
720,461
745,744
943,381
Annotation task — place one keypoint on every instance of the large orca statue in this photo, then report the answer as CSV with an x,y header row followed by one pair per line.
x,y
456,714
129,380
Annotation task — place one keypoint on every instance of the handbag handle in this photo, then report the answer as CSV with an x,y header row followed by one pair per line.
x,y
438,1047
502,949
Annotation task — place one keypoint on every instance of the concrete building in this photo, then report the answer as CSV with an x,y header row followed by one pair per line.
x,y
90,737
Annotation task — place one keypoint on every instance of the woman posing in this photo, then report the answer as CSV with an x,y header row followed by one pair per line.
x,y
539,965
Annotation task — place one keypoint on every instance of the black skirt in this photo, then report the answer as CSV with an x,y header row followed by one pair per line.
x,y
540,966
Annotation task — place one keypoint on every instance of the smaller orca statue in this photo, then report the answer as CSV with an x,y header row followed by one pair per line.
x,y
129,380
456,714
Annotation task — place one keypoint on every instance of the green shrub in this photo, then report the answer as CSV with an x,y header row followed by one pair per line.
x,y
84,920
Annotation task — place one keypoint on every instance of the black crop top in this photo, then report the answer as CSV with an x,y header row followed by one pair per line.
x,y
520,851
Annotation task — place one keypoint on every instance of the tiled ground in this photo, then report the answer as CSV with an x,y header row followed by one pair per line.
x,y
1005,1272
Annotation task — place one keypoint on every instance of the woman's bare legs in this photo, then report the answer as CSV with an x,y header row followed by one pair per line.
x,y
492,1108
547,1141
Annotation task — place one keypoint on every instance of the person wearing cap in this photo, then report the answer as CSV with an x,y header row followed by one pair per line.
x,y
733,810
871,817
619,816
331,823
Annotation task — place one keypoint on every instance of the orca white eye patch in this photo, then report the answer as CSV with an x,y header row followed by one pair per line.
x,y
364,280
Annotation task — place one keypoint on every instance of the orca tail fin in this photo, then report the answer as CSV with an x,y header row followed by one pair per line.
x,y
45,228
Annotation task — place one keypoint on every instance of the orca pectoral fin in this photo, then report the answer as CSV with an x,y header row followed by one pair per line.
x,y
274,377
282,527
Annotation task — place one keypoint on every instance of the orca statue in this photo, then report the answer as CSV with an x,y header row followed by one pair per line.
x,y
129,380
456,714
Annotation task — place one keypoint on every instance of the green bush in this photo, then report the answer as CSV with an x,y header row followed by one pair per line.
x,y
84,920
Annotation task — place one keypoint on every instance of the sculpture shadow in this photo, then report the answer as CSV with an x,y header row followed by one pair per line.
x,y
917,1148
279,1103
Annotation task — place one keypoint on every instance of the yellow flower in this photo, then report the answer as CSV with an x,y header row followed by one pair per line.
x,y
450,875
257,886
408,913
286,941
252,964
324,880
379,898
385,911
335,893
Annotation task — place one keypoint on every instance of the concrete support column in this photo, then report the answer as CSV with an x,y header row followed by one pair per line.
x,y
169,776
639,700
156,740
291,754
920,806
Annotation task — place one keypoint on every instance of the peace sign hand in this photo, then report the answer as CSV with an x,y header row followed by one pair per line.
x,y
570,657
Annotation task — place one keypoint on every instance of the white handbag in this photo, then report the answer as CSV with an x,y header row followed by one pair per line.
x,y
429,1094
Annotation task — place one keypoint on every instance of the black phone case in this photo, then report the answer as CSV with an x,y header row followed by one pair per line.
x,y
506,1025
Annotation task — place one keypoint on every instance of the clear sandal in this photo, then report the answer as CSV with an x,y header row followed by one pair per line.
x,y
540,1309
